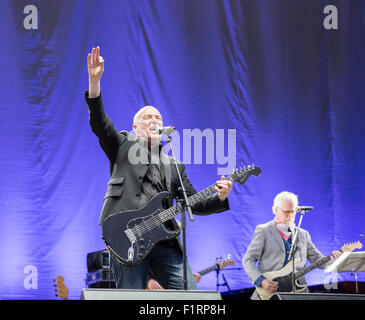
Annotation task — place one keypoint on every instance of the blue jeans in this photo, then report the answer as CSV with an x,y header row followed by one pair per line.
x,y
164,264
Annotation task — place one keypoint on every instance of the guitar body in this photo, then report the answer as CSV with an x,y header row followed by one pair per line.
x,y
284,279
129,247
132,234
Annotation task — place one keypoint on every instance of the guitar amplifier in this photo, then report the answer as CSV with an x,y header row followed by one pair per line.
x,y
101,278
97,260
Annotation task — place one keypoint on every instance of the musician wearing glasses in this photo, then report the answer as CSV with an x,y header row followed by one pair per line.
x,y
133,184
270,247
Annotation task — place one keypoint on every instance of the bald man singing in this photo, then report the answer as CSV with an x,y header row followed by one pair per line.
x,y
133,182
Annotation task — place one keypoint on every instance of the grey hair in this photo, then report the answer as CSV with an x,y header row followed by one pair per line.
x,y
282,196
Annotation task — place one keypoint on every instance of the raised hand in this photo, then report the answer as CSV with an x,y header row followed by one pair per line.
x,y
95,68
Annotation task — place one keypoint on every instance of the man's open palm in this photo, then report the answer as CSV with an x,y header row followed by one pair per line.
x,y
95,64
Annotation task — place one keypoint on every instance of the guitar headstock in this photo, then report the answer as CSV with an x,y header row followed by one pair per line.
x,y
62,290
226,262
241,175
349,247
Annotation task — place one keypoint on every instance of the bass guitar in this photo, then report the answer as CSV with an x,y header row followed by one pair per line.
x,y
219,265
132,234
284,275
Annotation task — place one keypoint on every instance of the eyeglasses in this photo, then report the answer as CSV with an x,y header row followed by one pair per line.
x,y
287,212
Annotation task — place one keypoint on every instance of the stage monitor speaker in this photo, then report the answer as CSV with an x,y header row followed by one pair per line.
x,y
131,294
316,296
97,260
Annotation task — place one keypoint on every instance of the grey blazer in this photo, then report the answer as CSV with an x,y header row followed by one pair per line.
x,y
125,183
266,251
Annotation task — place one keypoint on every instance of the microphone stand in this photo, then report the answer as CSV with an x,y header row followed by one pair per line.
x,y
225,283
293,248
186,207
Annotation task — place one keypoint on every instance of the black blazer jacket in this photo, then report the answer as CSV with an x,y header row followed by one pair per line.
x,y
124,186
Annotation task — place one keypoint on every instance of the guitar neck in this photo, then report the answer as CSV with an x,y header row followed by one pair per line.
x,y
345,248
317,264
205,271
194,199
237,176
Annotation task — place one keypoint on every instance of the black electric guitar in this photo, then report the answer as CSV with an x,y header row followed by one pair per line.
x,y
132,234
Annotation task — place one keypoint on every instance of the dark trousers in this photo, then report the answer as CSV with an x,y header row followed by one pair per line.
x,y
164,264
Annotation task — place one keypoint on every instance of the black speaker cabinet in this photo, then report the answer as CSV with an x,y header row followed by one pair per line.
x,y
97,260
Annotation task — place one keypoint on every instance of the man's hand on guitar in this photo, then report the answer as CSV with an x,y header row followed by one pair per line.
x,y
197,277
336,254
269,285
223,188
154,285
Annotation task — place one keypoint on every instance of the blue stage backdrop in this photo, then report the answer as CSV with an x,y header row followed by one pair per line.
x,y
279,84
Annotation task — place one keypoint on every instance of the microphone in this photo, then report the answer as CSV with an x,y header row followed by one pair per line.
x,y
304,208
166,130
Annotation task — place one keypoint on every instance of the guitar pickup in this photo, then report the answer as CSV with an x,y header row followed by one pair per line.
x,y
130,235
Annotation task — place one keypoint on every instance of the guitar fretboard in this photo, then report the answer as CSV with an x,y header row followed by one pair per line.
x,y
205,271
194,199
157,219
317,264
163,216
